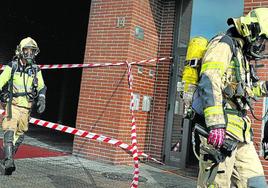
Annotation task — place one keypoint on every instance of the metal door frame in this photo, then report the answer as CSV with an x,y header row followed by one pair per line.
x,y
177,52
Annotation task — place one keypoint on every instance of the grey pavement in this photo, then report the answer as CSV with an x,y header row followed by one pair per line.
x,y
75,172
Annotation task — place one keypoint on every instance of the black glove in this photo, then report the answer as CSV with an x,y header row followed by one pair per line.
x,y
265,150
265,142
41,104
4,95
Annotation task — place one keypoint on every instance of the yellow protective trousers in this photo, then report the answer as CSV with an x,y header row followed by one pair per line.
x,y
235,170
18,123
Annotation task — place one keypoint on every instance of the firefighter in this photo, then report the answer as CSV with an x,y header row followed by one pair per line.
x,y
25,85
228,83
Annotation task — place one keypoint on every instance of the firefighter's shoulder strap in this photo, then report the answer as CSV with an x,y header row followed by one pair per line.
x,y
231,42
234,45
14,67
34,92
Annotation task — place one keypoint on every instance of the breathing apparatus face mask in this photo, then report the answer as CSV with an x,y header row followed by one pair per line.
x,y
27,50
28,54
259,48
253,28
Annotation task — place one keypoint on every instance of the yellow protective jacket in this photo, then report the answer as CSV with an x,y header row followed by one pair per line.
x,y
23,79
218,74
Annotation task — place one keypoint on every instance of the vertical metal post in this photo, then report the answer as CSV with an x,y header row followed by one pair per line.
x,y
178,158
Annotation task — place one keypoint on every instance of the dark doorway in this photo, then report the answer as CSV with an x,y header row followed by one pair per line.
x,y
60,29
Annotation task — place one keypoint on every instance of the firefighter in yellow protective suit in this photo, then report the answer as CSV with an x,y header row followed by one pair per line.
x,y
25,85
227,85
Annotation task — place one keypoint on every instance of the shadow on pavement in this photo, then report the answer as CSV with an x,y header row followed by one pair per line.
x,y
56,139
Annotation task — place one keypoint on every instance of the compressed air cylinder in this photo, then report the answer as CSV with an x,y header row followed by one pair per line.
x,y
195,52
196,48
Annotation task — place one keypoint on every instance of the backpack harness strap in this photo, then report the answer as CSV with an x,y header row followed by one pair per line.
x,y
10,85
193,62
31,94
237,95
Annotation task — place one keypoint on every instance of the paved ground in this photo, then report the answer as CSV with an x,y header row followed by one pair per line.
x,y
74,172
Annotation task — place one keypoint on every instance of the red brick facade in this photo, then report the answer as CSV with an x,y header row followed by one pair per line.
x,y
104,96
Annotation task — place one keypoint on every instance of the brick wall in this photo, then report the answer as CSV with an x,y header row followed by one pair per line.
x,y
104,97
103,92
162,81
250,4
262,73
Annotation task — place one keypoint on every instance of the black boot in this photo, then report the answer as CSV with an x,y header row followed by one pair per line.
x,y
8,152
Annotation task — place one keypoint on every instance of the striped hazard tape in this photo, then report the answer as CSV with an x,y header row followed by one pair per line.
x,y
67,66
135,180
133,148
64,66
90,135
81,133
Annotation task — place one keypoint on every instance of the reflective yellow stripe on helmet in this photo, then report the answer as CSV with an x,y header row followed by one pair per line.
x,y
213,110
212,65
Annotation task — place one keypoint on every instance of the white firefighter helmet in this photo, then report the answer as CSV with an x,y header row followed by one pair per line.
x,y
27,49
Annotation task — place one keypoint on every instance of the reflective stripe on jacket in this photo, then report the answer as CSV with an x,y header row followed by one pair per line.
x,y
218,72
21,80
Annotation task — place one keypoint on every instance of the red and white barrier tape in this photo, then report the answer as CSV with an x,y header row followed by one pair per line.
x,y
67,66
135,180
63,66
133,148
90,135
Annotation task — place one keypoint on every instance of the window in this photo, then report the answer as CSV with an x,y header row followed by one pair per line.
x,y
209,17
